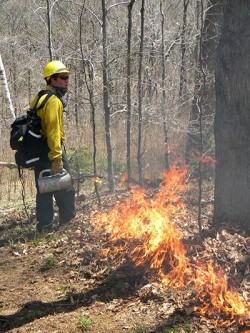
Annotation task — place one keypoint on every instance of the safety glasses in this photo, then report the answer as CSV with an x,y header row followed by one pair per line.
x,y
63,77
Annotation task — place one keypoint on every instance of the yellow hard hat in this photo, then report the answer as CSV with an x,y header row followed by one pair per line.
x,y
54,67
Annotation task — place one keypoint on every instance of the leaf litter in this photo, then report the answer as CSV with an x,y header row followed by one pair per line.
x,y
57,278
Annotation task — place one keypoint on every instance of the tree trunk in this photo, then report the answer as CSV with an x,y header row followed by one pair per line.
x,y
130,7
49,30
106,105
232,119
140,99
89,80
6,89
164,109
206,43
183,68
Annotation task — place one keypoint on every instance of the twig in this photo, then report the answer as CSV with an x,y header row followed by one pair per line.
x,y
10,165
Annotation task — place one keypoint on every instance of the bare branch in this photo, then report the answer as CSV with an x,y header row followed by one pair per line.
x,y
117,4
10,165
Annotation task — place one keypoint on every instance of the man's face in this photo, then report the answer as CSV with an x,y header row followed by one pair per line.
x,y
62,80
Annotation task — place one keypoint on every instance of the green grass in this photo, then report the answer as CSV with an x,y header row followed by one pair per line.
x,y
84,323
67,290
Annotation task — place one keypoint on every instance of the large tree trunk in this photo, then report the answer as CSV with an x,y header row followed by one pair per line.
x,y
232,120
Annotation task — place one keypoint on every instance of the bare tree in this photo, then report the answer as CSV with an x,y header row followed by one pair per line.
x,y
130,7
35,35
198,104
183,68
200,124
163,102
6,89
106,104
206,43
49,11
89,80
140,94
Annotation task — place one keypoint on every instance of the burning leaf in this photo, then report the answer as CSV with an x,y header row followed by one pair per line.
x,y
215,296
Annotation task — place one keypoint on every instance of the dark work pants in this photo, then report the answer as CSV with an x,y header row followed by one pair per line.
x,y
65,199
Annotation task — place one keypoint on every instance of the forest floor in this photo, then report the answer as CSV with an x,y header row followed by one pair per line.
x,y
60,282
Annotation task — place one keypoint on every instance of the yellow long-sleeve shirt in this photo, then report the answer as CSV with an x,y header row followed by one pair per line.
x,y
52,123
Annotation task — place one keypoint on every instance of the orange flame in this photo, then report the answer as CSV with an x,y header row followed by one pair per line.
x,y
215,296
123,179
96,179
196,155
142,228
205,159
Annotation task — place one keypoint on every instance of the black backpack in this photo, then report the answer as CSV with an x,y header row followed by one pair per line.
x,y
26,135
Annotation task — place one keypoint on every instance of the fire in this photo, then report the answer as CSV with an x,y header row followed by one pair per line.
x,y
202,158
205,159
96,179
145,223
142,229
215,296
123,179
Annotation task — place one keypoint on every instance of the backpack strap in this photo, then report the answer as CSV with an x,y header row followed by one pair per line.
x,y
40,94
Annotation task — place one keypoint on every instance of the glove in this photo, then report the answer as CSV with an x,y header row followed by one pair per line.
x,y
57,165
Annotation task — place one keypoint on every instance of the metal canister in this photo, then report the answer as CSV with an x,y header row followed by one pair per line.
x,y
52,183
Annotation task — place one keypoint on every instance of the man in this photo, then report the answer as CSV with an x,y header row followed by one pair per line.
x,y
53,156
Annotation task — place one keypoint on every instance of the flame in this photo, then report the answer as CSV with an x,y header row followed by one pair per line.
x,y
96,179
205,159
123,179
196,155
142,229
215,296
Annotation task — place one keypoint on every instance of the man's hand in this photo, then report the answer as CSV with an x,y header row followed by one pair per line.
x,y
57,165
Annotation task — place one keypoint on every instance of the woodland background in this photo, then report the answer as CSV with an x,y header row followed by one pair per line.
x,y
142,92
155,82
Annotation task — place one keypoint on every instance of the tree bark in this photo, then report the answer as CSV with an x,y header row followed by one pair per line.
x,y
232,119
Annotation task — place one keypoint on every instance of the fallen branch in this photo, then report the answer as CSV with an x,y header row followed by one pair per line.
x,y
10,165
